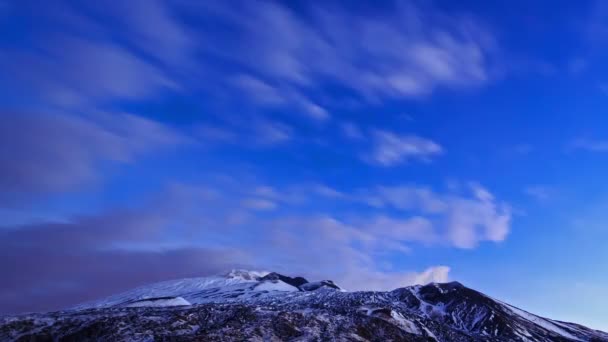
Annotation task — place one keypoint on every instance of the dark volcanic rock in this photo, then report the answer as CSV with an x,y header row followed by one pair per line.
x,y
435,312
297,281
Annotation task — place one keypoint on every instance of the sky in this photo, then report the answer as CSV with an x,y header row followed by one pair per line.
x,y
377,144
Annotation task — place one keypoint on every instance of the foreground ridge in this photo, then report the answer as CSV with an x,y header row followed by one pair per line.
x,y
263,306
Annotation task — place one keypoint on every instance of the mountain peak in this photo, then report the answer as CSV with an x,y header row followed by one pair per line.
x,y
296,281
245,274
252,305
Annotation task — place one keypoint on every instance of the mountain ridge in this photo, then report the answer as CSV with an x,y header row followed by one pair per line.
x,y
245,305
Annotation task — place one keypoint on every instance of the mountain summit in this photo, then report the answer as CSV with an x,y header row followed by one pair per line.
x,y
268,306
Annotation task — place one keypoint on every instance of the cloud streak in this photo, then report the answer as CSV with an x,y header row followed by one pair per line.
x,y
391,149
589,145
407,53
195,230
53,153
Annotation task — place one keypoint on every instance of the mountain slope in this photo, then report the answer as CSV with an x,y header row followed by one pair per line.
x,y
245,305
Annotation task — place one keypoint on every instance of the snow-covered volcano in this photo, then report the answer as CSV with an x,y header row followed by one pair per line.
x,y
236,285
263,306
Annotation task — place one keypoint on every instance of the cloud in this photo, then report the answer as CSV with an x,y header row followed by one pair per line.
x,y
391,149
471,220
52,153
152,25
404,51
576,66
94,55
539,192
416,228
81,73
51,265
254,132
596,27
260,91
216,134
345,252
85,55
327,191
386,281
105,71
351,130
271,132
462,220
189,230
267,95
407,197
407,51
259,204
589,145
192,230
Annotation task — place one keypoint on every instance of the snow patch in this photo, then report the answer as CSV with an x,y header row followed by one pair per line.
x,y
546,324
275,286
158,302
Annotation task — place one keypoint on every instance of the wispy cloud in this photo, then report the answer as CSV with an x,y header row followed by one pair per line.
x,y
286,97
391,149
272,132
408,51
351,130
202,223
83,73
241,223
57,153
260,91
259,204
589,145
255,132
539,192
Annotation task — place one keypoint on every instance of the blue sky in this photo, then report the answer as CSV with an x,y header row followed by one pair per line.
x,y
378,145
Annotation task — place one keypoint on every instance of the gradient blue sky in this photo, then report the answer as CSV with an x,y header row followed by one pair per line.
x,y
380,145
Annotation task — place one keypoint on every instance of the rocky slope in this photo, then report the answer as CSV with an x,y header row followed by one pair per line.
x,y
272,307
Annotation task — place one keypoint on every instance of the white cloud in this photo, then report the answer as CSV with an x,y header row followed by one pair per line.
x,y
365,279
392,149
471,220
459,220
347,253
